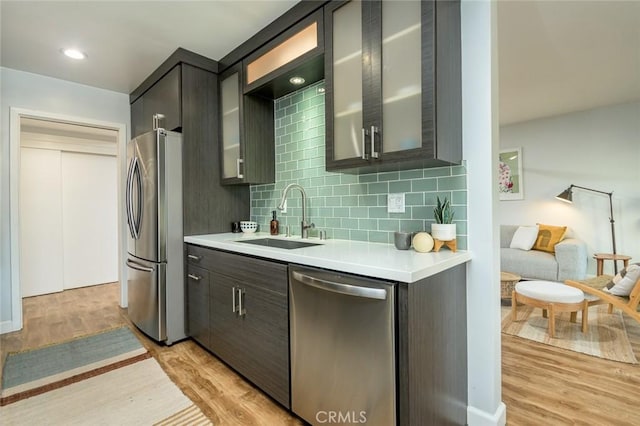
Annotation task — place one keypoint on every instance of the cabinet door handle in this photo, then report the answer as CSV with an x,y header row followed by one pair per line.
x,y
194,277
374,153
194,257
156,120
233,299
241,310
364,144
239,161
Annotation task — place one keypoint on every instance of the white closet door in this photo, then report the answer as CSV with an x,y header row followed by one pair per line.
x,y
90,219
41,250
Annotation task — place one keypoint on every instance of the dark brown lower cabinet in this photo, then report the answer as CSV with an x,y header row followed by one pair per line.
x,y
248,324
197,287
432,350
248,317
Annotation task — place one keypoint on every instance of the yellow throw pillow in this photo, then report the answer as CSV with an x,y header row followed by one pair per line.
x,y
548,237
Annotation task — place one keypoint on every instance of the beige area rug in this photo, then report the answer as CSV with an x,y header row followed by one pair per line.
x,y
606,336
137,394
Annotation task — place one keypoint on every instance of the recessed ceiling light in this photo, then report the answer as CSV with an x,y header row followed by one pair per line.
x,y
74,53
296,80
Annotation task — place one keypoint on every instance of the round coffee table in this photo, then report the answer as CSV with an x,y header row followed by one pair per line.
x,y
507,284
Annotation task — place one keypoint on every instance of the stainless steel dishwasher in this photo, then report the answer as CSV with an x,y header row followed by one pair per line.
x,y
342,348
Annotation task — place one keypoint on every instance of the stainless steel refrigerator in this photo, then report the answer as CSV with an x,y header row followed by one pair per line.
x,y
155,278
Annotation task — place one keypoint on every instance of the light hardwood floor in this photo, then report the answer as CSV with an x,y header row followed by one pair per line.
x,y
542,385
223,395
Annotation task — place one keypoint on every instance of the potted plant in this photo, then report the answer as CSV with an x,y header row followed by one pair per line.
x,y
443,229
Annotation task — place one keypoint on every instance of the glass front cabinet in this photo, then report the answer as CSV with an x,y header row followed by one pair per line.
x,y
230,94
393,89
246,133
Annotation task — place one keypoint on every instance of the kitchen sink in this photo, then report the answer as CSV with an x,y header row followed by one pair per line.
x,y
277,243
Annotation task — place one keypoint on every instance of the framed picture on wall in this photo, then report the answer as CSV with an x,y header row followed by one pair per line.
x,y
510,174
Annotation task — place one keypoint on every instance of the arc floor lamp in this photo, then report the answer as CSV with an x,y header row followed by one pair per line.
x,y
567,196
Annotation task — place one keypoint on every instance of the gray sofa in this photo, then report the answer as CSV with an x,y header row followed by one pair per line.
x,y
569,261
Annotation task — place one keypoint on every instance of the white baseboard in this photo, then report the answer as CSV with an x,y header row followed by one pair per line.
x,y
8,327
476,417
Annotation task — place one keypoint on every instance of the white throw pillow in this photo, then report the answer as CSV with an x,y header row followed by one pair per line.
x,y
623,282
524,237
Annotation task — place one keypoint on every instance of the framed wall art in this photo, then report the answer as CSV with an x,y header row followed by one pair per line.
x,y
510,174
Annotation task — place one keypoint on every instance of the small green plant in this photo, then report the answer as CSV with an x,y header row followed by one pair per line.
x,y
443,212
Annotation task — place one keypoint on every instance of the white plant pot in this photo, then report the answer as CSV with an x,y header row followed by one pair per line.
x,y
443,231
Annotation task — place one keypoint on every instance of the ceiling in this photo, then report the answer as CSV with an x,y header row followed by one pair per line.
x,y
125,41
563,56
554,56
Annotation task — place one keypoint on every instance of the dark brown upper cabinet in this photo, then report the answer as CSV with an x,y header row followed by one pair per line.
x,y
255,74
247,133
393,85
184,88
296,52
163,100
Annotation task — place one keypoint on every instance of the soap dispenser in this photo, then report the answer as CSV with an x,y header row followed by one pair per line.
x,y
273,226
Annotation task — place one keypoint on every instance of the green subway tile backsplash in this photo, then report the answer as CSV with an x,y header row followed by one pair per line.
x,y
347,206
400,186
452,182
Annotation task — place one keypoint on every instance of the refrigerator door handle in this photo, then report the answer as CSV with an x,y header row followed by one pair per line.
x,y
133,265
137,220
128,200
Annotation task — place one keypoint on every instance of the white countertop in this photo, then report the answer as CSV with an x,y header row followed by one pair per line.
x,y
357,257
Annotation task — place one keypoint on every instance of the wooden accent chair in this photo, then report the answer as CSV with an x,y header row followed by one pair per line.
x,y
593,286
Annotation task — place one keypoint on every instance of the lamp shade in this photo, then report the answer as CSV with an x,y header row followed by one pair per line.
x,y
566,195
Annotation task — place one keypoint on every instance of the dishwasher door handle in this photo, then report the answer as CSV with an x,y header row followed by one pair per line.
x,y
351,290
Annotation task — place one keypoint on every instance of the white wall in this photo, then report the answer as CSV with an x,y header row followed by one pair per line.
x,y
599,149
39,93
480,147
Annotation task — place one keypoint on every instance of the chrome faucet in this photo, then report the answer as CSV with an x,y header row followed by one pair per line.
x,y
304,227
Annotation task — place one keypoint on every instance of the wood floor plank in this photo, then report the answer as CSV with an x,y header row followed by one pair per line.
x,y
541,384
